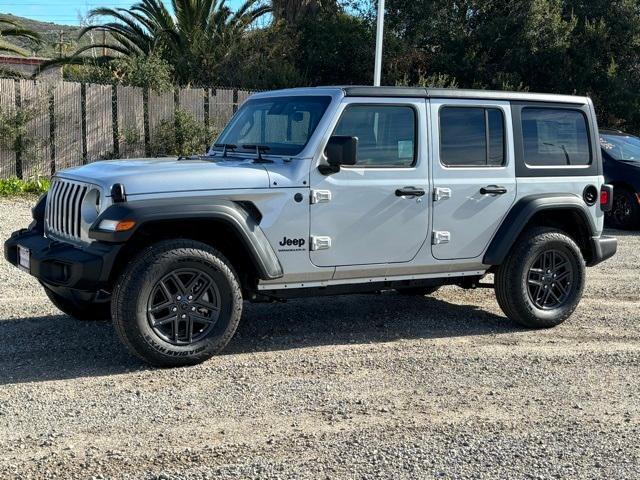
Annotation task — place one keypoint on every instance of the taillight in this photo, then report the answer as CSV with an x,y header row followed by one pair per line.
x,y
606,198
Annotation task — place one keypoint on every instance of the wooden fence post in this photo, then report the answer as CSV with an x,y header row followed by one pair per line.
x,y
114,120
52,131
19,140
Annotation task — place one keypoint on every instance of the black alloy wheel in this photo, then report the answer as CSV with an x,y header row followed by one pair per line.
x,y
625,211
540,282
177,303
550,280
184,306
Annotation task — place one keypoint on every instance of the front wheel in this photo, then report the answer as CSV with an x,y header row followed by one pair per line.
x,y
178,303
541,282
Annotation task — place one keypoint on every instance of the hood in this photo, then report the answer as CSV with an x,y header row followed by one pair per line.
x,y
158,175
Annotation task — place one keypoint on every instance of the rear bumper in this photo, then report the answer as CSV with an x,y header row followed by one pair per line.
x,y
61,264
602,248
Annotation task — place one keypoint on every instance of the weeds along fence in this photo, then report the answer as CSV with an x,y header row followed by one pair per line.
x,y
49,126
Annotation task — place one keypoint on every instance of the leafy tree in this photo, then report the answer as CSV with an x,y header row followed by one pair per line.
x,y
9,30
293,11
336,48
563,46
266,59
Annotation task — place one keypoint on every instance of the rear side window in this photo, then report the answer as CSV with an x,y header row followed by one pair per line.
x,y
472,137
386,134
555,137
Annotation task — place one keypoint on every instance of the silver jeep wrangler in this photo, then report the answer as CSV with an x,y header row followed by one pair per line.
x,y
323,191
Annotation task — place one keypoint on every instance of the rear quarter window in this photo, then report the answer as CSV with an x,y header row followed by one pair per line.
x,y
555,137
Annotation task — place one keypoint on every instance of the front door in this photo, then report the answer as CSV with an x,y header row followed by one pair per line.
x,y
377,210
473,174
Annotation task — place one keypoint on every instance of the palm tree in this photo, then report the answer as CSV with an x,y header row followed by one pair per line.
x,y
194,40
11,29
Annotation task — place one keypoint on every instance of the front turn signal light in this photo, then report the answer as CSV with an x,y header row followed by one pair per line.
x,y
117,225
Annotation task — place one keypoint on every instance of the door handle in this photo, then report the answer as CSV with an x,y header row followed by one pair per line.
x,y
409,192
493,190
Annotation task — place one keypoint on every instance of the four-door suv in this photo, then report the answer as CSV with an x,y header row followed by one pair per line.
x,y
329,191
621,167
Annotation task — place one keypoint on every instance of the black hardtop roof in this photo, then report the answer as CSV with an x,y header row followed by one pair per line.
x,y
368,91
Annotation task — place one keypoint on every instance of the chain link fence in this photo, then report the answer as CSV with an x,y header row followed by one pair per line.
x,y
48,126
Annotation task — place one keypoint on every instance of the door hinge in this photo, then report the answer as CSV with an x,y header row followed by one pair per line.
x,y
440,237
320,243
320,196
441,193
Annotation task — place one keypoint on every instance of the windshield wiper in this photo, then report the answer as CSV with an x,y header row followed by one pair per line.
x,y
225,147
259,149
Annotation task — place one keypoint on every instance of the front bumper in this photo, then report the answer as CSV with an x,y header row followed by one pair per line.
x,y
62,264
602,248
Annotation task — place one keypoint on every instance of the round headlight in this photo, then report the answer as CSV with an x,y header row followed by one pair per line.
x,y
91,206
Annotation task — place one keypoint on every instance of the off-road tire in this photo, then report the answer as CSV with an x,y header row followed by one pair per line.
x,y
625,212
135,287
418,291
85,311
512,278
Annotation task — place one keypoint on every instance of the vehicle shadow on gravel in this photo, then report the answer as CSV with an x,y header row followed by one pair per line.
x,y
359,319
59,347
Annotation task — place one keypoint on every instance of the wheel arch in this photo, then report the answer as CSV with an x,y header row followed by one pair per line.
x,y
228,226
567,213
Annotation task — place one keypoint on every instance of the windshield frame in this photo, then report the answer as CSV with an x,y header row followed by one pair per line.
x,y
265,96
608,137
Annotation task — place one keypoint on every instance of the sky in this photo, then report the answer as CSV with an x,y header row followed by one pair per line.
x,y
65,11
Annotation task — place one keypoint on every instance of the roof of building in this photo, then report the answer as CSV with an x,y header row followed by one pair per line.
x,y
16,60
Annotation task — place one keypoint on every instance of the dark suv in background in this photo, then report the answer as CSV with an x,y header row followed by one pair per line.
x,y
621,164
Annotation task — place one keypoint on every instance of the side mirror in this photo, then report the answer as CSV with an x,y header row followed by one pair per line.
x,y
341,150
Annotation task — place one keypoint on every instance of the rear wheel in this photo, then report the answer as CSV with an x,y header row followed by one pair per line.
x,y
178,303
78,309
541,282
625,212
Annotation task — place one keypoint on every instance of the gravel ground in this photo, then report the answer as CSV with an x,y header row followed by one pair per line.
x,y
367,386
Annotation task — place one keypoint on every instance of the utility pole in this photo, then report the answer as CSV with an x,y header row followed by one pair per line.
x,y
377,73
60,42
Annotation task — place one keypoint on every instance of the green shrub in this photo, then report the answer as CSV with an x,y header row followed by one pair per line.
x,y
16,131
183,135
15,186
136,71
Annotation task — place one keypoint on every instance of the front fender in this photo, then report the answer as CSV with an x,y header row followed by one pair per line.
x,y
231,213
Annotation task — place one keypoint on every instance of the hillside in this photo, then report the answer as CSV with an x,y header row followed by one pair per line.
x,y
52,34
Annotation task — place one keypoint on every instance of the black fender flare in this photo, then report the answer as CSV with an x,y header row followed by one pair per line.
x,y
520,214
231,213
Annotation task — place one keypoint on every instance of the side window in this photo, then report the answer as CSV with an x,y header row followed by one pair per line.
x,y
386,134
555,137
472,137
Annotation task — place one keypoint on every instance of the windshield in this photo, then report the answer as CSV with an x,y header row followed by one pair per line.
x,y
621,147
278,125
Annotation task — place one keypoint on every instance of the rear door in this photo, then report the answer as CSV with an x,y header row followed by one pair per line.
x,y
473,174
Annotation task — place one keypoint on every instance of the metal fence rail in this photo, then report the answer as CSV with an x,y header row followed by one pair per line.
x,y
57,125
